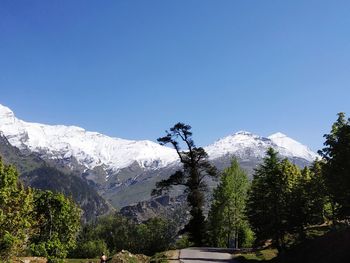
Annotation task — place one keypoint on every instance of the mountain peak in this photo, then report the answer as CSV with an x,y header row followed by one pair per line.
x,y
6,115
6,112
244,133
244,144
277,135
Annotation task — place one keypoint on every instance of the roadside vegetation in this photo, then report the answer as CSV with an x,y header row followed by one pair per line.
x,y
305,213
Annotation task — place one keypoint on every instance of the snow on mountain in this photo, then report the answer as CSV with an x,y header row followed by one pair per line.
x,y
245,145
90,149
290,147
93,149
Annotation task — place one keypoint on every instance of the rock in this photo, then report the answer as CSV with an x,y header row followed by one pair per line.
x,y
125,256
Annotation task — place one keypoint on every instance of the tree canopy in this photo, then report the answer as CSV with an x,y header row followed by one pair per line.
x,y
57,222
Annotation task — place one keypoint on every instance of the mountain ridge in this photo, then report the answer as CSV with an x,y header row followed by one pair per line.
x,y
125,171
93,149
39,174
233,144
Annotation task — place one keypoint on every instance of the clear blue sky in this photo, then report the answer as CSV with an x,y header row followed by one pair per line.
x,y
131,69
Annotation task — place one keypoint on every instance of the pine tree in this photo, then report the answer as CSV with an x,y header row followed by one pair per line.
x,y
336,169
261,201
270,198
307,200
16,206
227,218
195,168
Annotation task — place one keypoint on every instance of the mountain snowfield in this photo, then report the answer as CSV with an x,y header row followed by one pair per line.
x,y
245,145
92,149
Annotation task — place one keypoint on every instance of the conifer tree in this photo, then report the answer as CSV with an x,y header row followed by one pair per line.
x,y
227,217
307,200
195,168
336,169
270,198
261,201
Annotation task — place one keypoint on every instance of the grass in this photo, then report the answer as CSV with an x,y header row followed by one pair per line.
x,y
256,256
323,247
76,260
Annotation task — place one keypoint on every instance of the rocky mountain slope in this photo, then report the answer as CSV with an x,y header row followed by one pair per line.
x,y
37,173
125,171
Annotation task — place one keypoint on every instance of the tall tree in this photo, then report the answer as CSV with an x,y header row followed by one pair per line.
x,y
16,206
260,201
195,168
336,169
58,223
269,199
227,213
307,200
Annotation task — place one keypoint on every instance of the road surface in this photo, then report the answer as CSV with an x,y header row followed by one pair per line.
x,y
206,255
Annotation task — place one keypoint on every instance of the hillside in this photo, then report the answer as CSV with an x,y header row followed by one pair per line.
x,y
332,247
37,173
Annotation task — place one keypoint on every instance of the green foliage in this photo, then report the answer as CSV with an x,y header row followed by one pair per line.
x,y
264,255
269,200
262,203
183,242
336,169
52,179
227,220
90,249
307,200
57,223
284,201
160,235
16,205
246,236
195,168
119,233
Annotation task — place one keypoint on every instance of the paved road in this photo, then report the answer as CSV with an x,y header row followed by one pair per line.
x,y
206,255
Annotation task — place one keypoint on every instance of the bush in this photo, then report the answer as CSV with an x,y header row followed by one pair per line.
x,y
90,249
183,242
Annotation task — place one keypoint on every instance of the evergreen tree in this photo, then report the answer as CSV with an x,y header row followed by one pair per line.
x,y
195,168
16,206
227,218
318,199
307,200
261,201
270,198
58,222
336,169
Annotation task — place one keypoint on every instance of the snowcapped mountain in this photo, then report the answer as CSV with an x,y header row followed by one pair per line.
x,y
125,171
291,148
245,145
90,149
